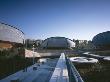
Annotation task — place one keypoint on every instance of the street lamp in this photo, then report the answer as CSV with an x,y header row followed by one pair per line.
x,y
33,53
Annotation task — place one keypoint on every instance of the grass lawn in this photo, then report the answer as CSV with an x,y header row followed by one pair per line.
x,y
102,53
99,72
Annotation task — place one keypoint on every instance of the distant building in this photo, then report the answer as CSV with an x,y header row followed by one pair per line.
x,y
90,45
102,40
30,42
58,43
38,42
81,44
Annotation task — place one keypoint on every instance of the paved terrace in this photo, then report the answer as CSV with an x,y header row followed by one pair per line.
x,y
44,73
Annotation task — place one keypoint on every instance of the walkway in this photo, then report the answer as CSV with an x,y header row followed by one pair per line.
x,y
60,73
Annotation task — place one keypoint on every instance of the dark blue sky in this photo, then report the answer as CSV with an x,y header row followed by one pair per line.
x,y
79,19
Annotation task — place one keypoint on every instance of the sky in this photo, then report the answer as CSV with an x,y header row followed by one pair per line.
x,y
74,19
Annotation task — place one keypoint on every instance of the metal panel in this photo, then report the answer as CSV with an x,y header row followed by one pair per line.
x,y
11,34
58,42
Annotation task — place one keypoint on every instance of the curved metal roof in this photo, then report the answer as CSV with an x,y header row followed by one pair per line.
x,y
11,26
58,42
10,33
102,39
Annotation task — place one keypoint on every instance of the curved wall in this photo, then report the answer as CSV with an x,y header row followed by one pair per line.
x,y
11,34
57,42
102,40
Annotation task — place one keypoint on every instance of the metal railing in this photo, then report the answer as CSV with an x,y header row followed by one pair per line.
x,y
73,74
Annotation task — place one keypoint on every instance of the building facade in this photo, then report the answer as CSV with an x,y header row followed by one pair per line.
x,y
102,40
11,34
58,43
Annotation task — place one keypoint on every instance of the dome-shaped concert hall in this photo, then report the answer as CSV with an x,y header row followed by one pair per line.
x,y
10,36
102,40
58,43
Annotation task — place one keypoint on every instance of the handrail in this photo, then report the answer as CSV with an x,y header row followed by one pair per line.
x,y
74,75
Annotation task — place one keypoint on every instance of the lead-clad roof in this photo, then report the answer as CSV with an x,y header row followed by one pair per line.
x,y
57,42
102,39
10,33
